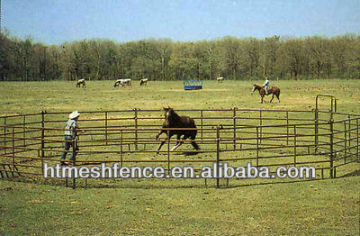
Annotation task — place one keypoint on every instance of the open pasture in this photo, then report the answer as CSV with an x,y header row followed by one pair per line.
x,y
248,210
29,97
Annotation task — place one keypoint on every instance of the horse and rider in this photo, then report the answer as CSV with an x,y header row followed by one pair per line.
x,y
267,90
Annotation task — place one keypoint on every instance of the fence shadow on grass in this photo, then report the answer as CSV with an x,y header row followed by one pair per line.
x,y
352,174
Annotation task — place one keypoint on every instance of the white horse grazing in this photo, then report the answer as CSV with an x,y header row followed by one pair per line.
x,y
144,81
80,82
122,82
127,82
220,79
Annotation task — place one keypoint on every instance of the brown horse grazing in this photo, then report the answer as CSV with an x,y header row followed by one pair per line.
x,y
273,90
173,120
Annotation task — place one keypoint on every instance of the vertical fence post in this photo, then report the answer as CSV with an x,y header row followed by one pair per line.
x,y
234,124
136,127
332,109
295,145
316,127
121,147
42,140
168,150
24,137
332,104
74,146
345,142
106,128
357,138
202,124
260,126
5,138
287,128
349,133
257,146
217,156
13,151
331,147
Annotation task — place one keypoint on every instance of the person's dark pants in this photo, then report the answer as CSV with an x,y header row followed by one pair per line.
x,y
69,143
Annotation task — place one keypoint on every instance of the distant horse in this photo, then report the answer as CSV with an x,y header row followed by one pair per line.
x,y
173,120
220,79
118,83
122,82
80,82
127,82
144,81
273,90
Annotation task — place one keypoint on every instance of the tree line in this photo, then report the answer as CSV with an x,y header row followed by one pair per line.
x,y
313,57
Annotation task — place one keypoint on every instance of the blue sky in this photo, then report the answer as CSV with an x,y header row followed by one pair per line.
x,y
57,21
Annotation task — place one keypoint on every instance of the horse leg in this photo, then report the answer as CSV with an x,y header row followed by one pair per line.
x,y
161,144
178,136
272,98
177,142
278,97
262,99
194,144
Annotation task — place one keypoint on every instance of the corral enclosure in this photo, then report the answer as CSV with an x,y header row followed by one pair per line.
x,y
323,138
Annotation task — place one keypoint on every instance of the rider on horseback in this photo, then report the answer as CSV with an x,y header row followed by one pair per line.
x,y
266,85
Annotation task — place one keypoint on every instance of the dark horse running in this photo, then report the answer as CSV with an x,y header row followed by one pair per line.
x,y
273,90
173,120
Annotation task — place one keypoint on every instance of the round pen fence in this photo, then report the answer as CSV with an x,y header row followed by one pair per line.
x,y
324,139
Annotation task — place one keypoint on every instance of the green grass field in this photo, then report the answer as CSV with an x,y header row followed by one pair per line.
x,y
140,207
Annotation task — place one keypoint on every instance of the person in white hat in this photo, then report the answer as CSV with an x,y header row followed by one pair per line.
x,y
71,129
